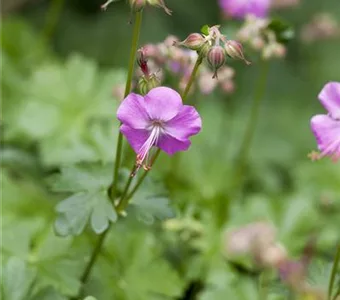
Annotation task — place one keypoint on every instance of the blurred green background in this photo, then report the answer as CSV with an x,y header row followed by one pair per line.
x,y
60,62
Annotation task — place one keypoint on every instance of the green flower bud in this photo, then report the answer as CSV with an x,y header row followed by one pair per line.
x,y
204,50
145,84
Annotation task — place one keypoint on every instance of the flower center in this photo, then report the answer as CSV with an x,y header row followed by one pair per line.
x,y
156,129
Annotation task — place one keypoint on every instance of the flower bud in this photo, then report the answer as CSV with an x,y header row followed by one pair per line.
x,y
146,84
161,4
137,5
194,41
203,51
216,58
235,50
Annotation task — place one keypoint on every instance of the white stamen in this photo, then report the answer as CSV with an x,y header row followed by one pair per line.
x,y
156,130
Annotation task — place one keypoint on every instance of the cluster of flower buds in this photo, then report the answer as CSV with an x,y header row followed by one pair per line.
x,y
159,63
322,27
214,47
138,5
256,34
257,240
162,63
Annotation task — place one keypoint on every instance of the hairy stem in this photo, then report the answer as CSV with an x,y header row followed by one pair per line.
x,y
135,40
124,200
333,273
251,125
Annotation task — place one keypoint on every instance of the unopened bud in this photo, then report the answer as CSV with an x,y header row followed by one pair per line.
x,y
194,41
161,4
142,61
216,58
137,5
145,84
204,50
235,50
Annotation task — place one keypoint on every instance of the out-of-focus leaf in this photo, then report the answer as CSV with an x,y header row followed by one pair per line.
x,y
223,284
81,178
20,161
283,30
69,110
48,294
62,274
144,266
151,202
22,44
90,201
54,259
17,279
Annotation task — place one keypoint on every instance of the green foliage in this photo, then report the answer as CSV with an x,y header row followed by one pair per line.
x,y
70,111
90,200
35,256
17,279
282,29
205,29
151,202
59,122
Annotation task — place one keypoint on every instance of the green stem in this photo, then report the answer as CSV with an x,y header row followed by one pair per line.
x,y
94,256
52,18
334,272
135,39
192,78
124,200
251,125
263,285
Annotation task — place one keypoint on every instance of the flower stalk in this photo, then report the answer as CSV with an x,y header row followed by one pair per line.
x,y
52,19
335,267
251,125
124,200
133,53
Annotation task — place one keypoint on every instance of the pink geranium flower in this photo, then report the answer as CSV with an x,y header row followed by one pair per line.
x,y
159,119
241,8
326,128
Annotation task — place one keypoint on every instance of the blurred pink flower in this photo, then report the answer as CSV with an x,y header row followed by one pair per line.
x,y
326,128
241,8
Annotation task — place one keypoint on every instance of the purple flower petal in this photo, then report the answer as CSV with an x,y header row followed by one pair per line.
x,y
330,98
132,112
162,103
185,124
241,8
135,137
327,133
170,145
